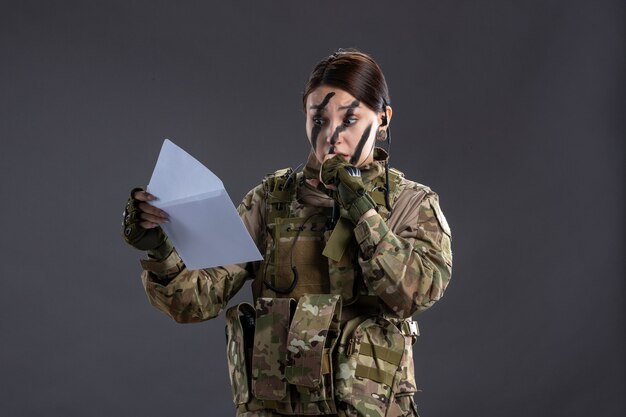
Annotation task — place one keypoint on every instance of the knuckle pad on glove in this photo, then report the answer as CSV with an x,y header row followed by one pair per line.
x,y
133,233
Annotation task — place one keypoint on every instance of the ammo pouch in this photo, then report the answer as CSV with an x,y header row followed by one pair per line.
x,y
290,366
374,363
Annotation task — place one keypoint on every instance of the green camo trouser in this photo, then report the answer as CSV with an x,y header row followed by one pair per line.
x,y
403,407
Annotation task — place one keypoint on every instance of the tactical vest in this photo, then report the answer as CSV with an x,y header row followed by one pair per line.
x,y
306,248
315,334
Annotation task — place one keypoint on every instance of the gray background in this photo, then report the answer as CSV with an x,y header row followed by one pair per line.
x,y
511,110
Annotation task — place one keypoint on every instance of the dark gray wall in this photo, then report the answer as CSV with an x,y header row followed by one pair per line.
x,y
511,110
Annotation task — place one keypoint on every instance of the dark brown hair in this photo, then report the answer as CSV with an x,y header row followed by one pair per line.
x,y
354,72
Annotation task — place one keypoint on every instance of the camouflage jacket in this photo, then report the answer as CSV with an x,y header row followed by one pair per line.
x,y
405,261
331,321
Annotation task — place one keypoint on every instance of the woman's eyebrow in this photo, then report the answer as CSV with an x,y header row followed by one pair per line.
x,y
352,105
320,107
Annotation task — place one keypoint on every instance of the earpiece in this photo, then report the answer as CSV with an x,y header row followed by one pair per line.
x,y
384,123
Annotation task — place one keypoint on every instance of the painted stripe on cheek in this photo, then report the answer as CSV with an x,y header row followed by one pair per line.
x,y
359,147
342,127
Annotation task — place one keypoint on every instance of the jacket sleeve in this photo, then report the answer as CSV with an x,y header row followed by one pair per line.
x,y
407,263
195,295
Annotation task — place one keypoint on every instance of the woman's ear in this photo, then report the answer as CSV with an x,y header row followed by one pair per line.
x,y
386,116
384,120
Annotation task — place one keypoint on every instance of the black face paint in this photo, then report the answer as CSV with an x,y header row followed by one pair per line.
x,y
315,131
359,147
342,127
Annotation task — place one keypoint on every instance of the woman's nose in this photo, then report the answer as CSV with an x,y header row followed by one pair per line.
x,y
328,132
333,132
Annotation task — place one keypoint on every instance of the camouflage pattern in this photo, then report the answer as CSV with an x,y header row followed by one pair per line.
x,y
401,406
406,383
408,270
193,295
269,355
236,352
391,267
315,325
368,365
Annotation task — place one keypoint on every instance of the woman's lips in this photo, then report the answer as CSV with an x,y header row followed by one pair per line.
x,y
333,151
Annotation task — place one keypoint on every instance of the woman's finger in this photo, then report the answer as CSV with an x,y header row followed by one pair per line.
x,y
148,225
143,196
150,209
152,218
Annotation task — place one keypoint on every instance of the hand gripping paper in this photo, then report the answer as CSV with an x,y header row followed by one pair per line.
x,y
204,225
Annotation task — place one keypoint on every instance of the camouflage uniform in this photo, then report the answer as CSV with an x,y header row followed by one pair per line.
x,y
339,341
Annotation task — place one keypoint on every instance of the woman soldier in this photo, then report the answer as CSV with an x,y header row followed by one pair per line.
x,y
352,250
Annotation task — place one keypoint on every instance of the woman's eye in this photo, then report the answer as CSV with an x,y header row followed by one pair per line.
x,y
350,121
317,121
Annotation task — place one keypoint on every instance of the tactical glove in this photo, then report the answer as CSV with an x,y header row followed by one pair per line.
x,y
134,234
351,193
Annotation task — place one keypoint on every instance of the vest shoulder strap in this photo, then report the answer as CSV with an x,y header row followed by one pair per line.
x,y
280,190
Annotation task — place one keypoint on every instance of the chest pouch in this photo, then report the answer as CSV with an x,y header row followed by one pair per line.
x,y
312,334
269,354
291,366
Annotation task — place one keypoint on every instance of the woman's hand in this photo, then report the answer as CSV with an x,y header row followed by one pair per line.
x,y
151,216
351,194
142,220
